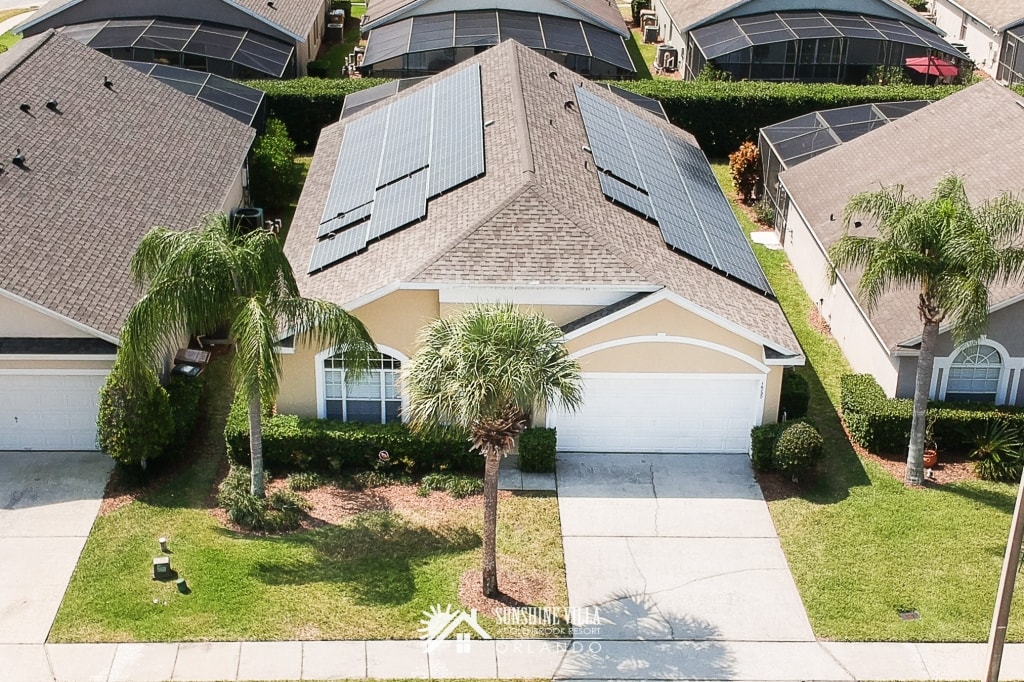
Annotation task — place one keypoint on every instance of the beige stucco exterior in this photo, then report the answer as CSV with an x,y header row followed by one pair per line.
x,y
18,320
683,342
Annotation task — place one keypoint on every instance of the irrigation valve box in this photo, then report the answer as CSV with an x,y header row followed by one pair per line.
x,y
162,568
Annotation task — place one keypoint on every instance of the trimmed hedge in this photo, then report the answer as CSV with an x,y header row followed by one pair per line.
x,y
795,395
799,448
537,448
274,177
762,443
294,444
722,115
134,423
882,425
307,105
185,397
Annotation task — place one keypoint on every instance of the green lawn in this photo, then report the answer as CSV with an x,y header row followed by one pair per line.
x,y
642,55
862,546
335,54
8,39
369,578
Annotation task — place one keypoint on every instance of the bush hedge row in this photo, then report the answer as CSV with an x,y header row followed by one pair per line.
x,y
537,449
762,443
882,425
294,444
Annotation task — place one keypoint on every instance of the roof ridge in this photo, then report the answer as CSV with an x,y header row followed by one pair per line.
x,y
465,234
522,122
29,48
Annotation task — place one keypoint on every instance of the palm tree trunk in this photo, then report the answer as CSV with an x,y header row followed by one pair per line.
x,y
492,462
256,444
922,386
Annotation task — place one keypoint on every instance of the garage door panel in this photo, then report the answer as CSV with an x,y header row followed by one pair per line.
x,y
663,413
49,411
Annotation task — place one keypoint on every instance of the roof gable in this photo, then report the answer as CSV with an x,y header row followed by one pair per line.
x,y
998,14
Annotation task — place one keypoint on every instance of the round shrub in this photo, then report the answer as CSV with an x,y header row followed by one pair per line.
x,y
134,423
798,449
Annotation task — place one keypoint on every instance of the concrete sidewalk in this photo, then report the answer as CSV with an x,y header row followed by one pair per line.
x,y
501,659
8,24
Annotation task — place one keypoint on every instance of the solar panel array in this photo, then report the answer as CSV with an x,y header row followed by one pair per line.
x,y
668,181
730,35
245,48
395,159
234,99
490,27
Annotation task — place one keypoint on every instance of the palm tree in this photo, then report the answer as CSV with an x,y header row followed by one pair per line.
x,y
947,250
487,370
198,280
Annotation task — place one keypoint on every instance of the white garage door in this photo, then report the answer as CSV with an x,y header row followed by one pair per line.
x,y
49,411
663,413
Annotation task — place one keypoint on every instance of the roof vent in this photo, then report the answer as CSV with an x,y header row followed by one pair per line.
x,y
26,108
52,105
570,105
553,75
270,4
19,159
107,83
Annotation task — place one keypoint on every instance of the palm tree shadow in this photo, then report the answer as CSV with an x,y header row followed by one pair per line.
x,y
374,555
633,638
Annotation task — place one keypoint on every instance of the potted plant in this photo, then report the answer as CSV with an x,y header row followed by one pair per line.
x,y
931,449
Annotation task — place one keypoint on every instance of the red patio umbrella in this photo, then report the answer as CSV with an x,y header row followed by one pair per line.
x,y
933,66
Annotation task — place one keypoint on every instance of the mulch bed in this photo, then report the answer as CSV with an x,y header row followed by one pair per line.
x,y
517,589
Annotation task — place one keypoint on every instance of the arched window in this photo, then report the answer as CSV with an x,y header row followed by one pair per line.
x,y
974,375
371,397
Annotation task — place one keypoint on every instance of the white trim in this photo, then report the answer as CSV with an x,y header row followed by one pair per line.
x,y
57,316
54,372
798,361
365,299
67,356
284,350
685,304
659,338
539,295
1009,362
321,402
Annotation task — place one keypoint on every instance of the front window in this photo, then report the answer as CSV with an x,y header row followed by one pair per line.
x,y
370,397
974,375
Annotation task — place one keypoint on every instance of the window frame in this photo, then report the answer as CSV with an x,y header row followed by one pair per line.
x,y
391,363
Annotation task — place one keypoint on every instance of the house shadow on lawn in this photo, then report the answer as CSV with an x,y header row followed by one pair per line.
x,y
640,641
374,554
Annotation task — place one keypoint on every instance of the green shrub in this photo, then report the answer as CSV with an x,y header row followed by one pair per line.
x,y
307,105
134,424
745,171
456,485
724,114
377,478
302,481
280,511
764,211
919,5
794,396
274,177
637,6
318,68
882,425
537,449
799,448
185,400
762,445
294,444
998,453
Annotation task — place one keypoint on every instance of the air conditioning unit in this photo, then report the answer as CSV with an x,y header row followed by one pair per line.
x,y
651,34
648,17
667,58
246,219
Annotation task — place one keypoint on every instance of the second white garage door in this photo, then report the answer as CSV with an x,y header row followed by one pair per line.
x,y
663,413
49,411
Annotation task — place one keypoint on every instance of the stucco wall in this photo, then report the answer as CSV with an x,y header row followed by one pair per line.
x,y
850,328
69,363
982,41
20,321
559,314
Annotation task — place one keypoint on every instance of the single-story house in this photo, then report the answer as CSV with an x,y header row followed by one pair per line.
x,y
978,134
509,178
991,31
408,38
97,154
230,38
837,41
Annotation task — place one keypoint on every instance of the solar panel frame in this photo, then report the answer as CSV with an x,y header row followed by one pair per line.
x,y
411,118
338,247
457,147
623,194
355,173
398,204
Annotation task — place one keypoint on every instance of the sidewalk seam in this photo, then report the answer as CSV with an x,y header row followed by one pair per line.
x,y
836,659
920,657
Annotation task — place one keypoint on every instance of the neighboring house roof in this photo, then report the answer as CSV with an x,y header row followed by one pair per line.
x,y
687,14
537,217
977,133
100,170
601,12
295,17
999,14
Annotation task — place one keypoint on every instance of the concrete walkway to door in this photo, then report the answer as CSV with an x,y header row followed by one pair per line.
x,y
675,547
48,501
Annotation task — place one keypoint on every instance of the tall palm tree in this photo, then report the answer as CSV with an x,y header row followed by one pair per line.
x,y
486,370
947,250
198,280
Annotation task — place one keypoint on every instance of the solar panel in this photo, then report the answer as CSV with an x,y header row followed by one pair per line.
x,y
393,159
668,180
648,103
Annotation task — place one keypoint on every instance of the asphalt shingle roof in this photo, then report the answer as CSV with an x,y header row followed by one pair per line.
x,y
100,171
537,216
604,12
999,14
977,133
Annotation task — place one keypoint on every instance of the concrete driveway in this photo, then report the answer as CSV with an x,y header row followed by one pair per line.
x,y
48,502
675,547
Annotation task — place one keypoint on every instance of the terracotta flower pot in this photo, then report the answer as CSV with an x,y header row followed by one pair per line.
x,y
931,458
